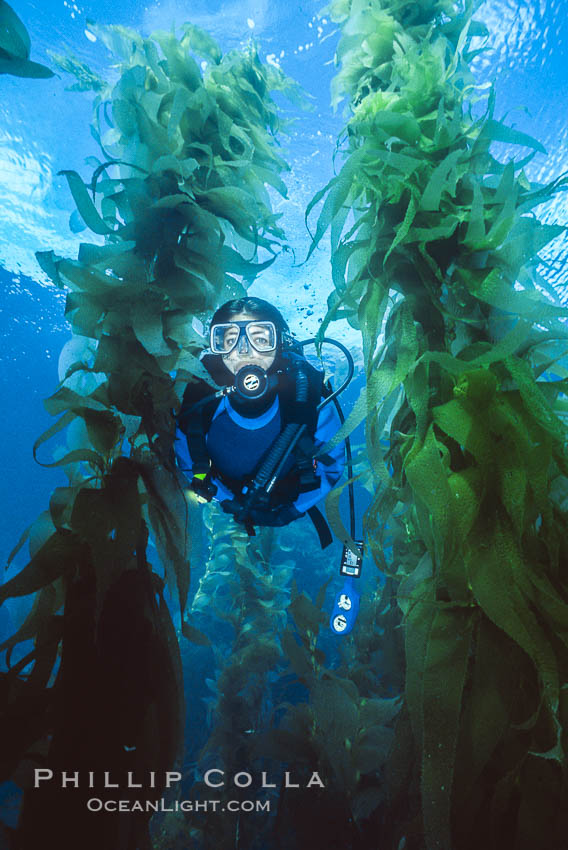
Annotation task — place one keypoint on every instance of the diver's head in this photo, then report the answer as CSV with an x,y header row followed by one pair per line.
x,y
247,332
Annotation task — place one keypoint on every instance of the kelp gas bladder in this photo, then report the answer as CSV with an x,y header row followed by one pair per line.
x,y
435,243
180,202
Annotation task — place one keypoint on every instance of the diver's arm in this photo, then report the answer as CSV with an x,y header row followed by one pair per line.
x,y
328,472
185,464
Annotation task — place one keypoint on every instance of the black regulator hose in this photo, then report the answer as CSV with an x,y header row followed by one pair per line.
x,y
277,454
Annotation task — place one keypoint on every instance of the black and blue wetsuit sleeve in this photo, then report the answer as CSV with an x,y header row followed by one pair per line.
x,y
185,464
329,471
183,457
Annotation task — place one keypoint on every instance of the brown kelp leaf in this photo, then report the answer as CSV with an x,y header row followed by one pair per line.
x,y
492,562
307,617
42,607
103,427
15,47
445,667
194,635
297,656
58,555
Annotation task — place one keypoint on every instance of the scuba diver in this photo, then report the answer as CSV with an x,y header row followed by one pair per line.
x,y
251,446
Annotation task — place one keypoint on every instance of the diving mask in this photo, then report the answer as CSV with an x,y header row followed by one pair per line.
x,y
260,335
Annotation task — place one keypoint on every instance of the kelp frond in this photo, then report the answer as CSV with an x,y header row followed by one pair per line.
x,y
435,257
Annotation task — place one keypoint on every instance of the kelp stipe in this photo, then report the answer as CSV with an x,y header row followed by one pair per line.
x,y
179,201
433,234
343,732
243,597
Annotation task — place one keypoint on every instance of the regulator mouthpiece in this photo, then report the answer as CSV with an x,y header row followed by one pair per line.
x,y
251,382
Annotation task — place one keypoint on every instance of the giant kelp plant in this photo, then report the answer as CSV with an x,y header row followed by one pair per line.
x,y
180,206
435,243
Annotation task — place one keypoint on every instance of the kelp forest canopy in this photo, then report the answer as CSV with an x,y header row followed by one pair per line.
x,y
443,725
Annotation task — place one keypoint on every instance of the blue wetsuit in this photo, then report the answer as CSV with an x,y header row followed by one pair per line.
x,y
236,445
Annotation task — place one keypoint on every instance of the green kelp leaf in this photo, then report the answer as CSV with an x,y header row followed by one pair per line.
x,y
365,802
201,43
495,679
285,744
466,428
236,264
14,38
403,126
512,472
24,536
336,717
475,235
411,586
58,555
122,41
147,323
418,623
307,617
169,514
443,179
61,504
84,314
445,667
43,606
466,488
85,206
172,547
402,231
526,239
232,203
66,399
498,132
297,656
334,516
372,749
492,561
124,117
48,262
96,255
375,711
94,515
87,80
549,601
104,429
382,381
429,480
61,423
95,461
24,68
416,389
535,402
194,635
336,193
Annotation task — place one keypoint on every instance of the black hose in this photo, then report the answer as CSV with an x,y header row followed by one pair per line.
x,y
350,367
349,471
277,454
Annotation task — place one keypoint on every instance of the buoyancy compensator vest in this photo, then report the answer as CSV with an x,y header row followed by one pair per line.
x,y
277,478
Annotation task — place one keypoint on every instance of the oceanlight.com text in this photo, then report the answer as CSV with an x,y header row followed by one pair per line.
x,y
95,804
